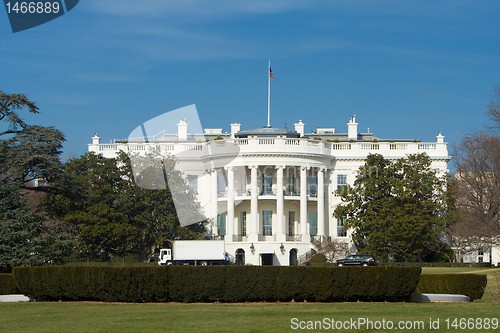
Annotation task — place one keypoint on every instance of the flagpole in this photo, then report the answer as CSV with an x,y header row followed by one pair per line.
x,y
269,95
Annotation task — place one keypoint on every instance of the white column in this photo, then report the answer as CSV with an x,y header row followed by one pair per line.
x,y
303,205
230,205
280,230
254,224
213,200
321,202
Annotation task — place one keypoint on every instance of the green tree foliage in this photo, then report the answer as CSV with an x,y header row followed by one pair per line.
x,y
153,210
93,209
9,104
112,213
25,240
33,154
27,153
395,209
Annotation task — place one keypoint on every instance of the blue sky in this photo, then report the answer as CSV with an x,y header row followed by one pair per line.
x,y
406,69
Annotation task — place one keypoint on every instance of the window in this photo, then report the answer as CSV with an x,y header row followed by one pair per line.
x,y
221,185
313,185
290,187
240,257
267,222
268,184
221,224
243,185
291,223
193,183
341,182
341,232
293,257
313,223
243,224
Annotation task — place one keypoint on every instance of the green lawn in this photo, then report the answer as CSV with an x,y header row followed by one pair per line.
x,y
251,317
247,317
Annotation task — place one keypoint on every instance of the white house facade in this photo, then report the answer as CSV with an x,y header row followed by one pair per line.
x,y
272,199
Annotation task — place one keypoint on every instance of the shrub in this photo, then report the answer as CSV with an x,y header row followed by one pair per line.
x,y
437,264
209,283
7,285
471,285
318,258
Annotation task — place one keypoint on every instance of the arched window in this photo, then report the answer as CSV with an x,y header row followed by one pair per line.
x,y
293,257
240,257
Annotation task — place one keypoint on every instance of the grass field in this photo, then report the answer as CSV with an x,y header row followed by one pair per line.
x,y
246,317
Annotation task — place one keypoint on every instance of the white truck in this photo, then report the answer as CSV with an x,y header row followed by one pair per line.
x,y
194,252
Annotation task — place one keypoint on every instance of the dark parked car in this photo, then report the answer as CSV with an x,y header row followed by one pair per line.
x,y
357,260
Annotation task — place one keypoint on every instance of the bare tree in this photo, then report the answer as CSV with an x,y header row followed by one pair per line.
x,y
335,249
494,109
477,161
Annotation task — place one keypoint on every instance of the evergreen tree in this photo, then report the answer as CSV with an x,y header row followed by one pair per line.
x,y
395,209
24,238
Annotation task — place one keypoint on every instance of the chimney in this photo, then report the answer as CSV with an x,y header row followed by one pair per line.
x,y
352,128
96,139
299,128
440,138
235,128
182,130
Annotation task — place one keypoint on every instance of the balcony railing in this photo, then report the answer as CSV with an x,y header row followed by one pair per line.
x,y
294,193
312,193
319,239
242,192
267,238
294,238
287,145
240,238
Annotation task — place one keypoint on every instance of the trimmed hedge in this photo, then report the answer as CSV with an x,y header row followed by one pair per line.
x,y
108,284
438,264
210,283
471,285
7,285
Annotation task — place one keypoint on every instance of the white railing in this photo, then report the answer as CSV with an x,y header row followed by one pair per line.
x,y
341,146
107,147
166,147
136,147
398,146
426,146
266,141
370,146
241,142
287,145
193,147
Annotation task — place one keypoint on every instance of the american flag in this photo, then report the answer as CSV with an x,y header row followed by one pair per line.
x,y
271,74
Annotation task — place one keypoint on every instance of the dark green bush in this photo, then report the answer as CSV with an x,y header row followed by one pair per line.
x,y
196,283
109,284
7,285
210,283
437,264
318,258
471,285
